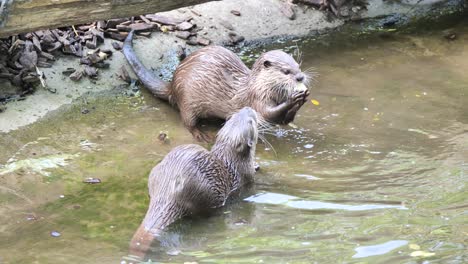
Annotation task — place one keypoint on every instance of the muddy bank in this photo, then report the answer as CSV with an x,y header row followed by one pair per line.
x,y
256,21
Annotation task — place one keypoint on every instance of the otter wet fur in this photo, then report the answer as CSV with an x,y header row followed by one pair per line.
x,y
192,180
213,82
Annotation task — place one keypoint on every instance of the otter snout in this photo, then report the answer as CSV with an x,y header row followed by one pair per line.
x,y
300,77
248,113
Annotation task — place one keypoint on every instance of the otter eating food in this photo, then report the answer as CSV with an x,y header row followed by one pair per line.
x,y
191,179
213,82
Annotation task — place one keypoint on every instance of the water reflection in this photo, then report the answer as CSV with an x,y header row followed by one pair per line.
x,y
380,249
296,202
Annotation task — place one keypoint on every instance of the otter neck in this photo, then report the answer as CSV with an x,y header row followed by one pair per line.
x,y
255,88
238,167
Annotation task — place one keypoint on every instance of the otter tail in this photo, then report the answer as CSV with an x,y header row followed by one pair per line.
x,y
157,218
141,242
156,86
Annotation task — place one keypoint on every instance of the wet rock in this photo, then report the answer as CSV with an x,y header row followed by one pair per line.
x,y
101,24
31,217
147,21
117,45
287,10
195,12
112,23
241,222
192,41
181,54
203,41
92,180
98,34
449,34
92,43
163,137
102,65
183,34
142,27
43,64
144,34
123,75
235,12
116,35
31,78
37,43
356,9
184,26
47,55
173,252
55,234
234,39
85,61
165,20
137,27
226,24
344,12
91,71
28,58
68,71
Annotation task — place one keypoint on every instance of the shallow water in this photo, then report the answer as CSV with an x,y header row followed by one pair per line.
x,y
376,173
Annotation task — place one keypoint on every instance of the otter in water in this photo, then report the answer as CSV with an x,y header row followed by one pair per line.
x,y
191,180
213,82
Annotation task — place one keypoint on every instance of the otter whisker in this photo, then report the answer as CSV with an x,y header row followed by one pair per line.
x,y
267,143
298,55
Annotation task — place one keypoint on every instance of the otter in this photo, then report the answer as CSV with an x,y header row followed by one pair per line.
x,y
213,83
191,180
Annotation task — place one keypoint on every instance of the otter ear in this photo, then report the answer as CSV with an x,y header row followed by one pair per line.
x,y
267,64
244,149
250,143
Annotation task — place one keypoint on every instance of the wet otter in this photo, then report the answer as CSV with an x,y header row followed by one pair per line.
x,y
213,82
191,179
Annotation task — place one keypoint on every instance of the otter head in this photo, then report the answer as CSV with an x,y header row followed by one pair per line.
x,y
278,74
236,141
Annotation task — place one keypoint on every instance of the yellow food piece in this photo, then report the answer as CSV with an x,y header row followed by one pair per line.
x,y
164,29
414,247
420,253
315,102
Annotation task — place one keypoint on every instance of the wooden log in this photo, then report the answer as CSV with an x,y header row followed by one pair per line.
x,y
21,16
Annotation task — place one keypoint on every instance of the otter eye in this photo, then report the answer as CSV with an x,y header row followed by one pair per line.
x,y
286,71
267,64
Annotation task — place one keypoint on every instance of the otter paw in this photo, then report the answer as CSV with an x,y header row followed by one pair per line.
x,y
299,98
256,166
201,136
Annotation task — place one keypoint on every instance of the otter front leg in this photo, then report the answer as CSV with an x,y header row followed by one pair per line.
x,y
191,123
278,114
291,114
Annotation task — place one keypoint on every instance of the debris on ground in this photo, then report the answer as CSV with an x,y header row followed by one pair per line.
x,y
339,8
287,10
92,180
21,55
